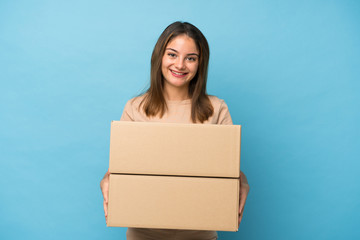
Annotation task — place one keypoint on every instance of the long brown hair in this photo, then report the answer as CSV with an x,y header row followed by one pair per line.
x,y
154,102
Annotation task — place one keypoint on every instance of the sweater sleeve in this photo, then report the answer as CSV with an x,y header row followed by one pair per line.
x,y
224,115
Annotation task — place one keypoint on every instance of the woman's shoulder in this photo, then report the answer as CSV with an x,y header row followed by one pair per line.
x,y
135,101
215,101
132,110
221,113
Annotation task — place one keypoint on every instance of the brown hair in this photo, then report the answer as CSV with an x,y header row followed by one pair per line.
x,y
154,102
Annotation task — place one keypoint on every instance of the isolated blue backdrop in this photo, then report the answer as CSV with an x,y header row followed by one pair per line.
x,y
289,71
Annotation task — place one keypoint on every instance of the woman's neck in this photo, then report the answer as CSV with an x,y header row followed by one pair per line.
x,y
173,93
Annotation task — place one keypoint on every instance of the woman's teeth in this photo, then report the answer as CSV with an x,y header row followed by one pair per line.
x,y
178,73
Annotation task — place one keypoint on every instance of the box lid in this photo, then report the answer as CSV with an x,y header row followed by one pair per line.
x,y
175,149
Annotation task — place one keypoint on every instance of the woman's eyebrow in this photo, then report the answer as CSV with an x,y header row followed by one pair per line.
x,y
186,54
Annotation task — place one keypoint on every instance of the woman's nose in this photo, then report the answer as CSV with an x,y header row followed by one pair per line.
x,y
179,64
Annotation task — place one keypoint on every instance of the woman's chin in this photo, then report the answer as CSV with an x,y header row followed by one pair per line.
x,y
179,83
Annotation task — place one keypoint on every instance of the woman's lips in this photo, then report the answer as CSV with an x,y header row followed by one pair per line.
x,y
178,74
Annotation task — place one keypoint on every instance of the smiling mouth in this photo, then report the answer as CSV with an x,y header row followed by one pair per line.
x,y
178,73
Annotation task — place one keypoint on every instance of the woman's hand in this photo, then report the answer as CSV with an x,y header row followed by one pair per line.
x,y
244,190
104,185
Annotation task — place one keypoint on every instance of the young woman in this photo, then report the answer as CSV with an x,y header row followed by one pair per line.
x,y
177,94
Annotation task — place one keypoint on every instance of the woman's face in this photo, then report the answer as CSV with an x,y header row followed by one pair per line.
x,y
180,61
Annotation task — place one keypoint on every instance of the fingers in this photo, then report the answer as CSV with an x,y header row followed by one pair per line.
x,y
244,190
240,217
105,210
243,196
105,202
104,185
242,205
105,192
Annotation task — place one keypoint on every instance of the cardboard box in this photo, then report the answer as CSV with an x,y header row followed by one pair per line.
x,y
175,149
174,176
193,203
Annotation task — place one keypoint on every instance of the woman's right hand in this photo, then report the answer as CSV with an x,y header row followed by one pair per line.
x,y
104,185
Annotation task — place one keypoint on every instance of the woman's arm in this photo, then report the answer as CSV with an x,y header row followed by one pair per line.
x,y
225,118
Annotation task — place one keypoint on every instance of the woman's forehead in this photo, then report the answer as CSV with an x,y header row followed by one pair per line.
x,y
183,43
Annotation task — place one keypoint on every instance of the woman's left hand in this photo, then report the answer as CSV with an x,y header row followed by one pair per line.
x,y
244,190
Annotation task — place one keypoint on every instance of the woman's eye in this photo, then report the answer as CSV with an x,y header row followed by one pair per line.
x,y
192,59
172,55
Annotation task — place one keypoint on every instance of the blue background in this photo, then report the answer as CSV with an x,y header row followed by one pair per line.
x,y
288,70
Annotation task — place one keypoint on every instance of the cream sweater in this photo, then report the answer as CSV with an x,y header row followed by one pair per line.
x,y
178,112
